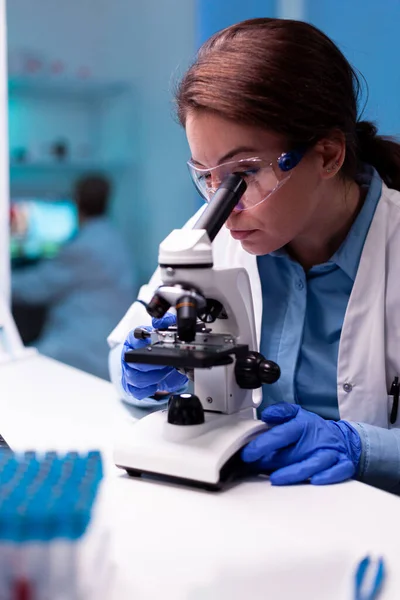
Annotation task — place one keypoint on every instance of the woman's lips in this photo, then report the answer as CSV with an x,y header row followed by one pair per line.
x,y
240,234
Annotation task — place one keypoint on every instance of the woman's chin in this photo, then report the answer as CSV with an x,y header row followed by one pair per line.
x,y
255,244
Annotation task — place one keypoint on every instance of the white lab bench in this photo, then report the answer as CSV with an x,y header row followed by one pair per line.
x,y
251,542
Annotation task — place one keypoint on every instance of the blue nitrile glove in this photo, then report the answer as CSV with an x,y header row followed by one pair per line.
x,y
301,445
142,381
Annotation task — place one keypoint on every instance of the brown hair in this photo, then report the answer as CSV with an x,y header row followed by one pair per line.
x,y
289,77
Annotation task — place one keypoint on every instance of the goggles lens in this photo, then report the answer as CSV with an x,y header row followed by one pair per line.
x,y
262,177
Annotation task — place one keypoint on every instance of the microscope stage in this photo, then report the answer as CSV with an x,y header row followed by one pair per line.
x,y
186,356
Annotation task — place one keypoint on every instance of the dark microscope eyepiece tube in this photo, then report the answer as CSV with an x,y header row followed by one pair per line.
x,y
222,204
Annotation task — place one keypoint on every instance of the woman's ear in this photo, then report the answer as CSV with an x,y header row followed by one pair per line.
x,y
332,152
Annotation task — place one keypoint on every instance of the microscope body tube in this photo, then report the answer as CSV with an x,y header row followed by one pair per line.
x,y
222,204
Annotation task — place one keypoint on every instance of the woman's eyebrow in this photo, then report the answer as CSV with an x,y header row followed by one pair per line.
x,y
228,155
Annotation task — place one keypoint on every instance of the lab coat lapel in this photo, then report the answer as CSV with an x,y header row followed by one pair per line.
x,y
361,376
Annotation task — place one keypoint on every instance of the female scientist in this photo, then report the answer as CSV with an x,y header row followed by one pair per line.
x,y
318,231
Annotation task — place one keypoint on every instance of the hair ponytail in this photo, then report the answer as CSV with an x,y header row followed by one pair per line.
x,y
380,151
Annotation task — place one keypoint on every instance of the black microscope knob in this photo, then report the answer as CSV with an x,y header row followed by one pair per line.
x,y
141,333
246,371
269,371
185,409
253,370
211,312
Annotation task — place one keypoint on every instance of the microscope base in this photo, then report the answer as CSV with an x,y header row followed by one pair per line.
x,y
204,455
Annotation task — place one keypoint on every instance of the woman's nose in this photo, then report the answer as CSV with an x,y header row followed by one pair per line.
x,y
231,222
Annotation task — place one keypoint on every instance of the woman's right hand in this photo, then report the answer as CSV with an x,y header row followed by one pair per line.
x,y
142,381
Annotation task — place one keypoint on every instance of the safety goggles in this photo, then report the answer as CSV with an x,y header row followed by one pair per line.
x,y
263,177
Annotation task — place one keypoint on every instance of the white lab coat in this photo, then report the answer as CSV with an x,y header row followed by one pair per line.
x,y
369,350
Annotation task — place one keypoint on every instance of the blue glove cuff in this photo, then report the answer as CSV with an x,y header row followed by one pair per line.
x,y
353,442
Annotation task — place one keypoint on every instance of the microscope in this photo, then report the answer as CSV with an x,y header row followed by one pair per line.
x,y
198,438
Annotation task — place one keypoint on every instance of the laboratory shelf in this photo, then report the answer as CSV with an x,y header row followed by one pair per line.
x,y
84,89
65,167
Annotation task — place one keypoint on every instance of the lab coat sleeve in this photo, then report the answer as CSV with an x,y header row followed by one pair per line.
x,y
380,457
50,280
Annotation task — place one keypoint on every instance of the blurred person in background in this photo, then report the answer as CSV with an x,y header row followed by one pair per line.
x,y
86,288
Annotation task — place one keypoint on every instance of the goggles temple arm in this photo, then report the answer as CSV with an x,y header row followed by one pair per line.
x,y
289,160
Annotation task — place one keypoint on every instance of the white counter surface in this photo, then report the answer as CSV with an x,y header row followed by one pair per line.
x,y
251,542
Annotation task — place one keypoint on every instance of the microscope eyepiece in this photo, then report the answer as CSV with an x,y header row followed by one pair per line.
x,y
221,205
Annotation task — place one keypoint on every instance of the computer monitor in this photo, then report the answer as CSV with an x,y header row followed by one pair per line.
x,y
40,227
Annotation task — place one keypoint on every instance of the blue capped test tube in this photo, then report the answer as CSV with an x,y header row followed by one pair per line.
x,y
47,530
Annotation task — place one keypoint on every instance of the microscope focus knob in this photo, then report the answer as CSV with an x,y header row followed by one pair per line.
x,y
253,370
269,371
185,409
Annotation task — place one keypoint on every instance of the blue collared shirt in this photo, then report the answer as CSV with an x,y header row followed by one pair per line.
x,y
303,314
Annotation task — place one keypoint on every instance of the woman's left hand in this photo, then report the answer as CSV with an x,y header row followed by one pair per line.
x,y
302,446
